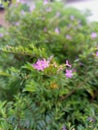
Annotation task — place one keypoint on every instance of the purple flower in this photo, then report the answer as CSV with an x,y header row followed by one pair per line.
x,y
32,8
68,37
57,30
64,128
67,64
58,14
45,29
48,9
72,17
23,12
97,53
1,35
41,64
93,35
91,119
69,73
17,23
45,2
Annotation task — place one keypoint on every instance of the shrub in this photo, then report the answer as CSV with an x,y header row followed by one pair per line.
x,y
49,78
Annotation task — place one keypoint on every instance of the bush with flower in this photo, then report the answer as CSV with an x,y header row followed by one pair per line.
x,y
49,80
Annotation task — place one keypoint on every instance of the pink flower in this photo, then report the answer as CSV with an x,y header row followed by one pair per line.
x,y
1,35
67,64
45,2
69,73
32,8
68,37
93,35
57,30
41,64
45,63
97,53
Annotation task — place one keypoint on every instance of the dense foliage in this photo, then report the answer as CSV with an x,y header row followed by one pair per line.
x,y
48,69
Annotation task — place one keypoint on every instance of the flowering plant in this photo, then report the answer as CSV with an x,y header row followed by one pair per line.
x,y
48,69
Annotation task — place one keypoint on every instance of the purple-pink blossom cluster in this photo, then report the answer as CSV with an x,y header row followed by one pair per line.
x,y
93,35
17,23
68,37
69,72
32,7
41,64
49,9
97,53
45,2
57,30
1,35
